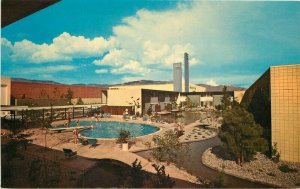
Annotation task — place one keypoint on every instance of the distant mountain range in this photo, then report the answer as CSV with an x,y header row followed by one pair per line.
x,y
209,88
34,81
144,82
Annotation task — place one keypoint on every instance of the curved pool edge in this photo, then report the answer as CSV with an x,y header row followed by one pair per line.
x,y
111,139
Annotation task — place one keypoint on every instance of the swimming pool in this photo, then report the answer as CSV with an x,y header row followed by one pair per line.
x,y
110,129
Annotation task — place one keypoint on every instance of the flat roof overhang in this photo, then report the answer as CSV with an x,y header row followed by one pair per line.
x,y
14,10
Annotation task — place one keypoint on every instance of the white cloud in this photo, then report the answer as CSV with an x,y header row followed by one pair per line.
x,y
147,43
65,47
133,78
131,67
243,80
50,69
212,83
100,71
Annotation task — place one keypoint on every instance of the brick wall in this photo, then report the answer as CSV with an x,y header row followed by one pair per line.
x,y
32,90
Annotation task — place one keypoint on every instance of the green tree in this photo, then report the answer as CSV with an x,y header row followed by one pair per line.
x,y
225,101
189,103
69,95
168,148
79,101
240,135
56,93
38,120
124,136
44,94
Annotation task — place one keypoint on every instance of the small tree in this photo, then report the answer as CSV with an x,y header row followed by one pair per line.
x,y
162,180
69,95
135,105
56,93
168,149
240,135
149,111
225,101
123,136
44,94
275,153
189,103
37,119
79,101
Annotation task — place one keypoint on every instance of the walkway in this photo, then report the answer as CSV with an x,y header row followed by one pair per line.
x,y
108,149
115,153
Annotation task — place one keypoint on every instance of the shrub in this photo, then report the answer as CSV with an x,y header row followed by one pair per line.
x,y
136,175
275,153
162,180
167,148
271,174
79,101
286,169
123,136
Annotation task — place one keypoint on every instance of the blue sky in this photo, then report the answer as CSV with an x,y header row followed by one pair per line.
x,y
105,42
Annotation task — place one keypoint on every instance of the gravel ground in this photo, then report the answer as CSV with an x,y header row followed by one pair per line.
x,y
261,169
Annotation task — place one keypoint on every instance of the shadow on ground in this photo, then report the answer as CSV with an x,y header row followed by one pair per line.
x,y
37,166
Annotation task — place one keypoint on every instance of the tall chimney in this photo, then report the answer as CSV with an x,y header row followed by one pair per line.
x,y
177,77
186,72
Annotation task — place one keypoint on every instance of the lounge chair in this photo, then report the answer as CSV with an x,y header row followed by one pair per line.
x,y
145,118
70,154
92,142
83,141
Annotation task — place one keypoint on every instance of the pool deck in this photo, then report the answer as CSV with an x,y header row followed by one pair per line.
x,y
108,149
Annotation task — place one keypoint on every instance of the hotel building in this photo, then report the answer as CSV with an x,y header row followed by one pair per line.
x,y
274,100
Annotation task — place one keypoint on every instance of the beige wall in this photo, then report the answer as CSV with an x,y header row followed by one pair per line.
x,y
87,100
238,95
285,110
5,90
5,93
122,96
164,87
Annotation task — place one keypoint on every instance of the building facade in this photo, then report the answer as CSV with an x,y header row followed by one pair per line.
x,y
177,77
285,110
186,72
123,95
274,100
5,90
38,91
5,93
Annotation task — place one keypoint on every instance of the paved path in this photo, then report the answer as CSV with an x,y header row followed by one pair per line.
x,y
125,157
107,149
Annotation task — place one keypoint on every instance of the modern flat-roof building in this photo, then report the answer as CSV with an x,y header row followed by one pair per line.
x,y
177,77
5,93
27,91
122,95
274,100
5,90
186,72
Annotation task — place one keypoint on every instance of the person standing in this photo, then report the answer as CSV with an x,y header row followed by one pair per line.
x,y
69,119
77,123
75,134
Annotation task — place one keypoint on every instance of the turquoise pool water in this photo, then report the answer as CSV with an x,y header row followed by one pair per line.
x,y
110,129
